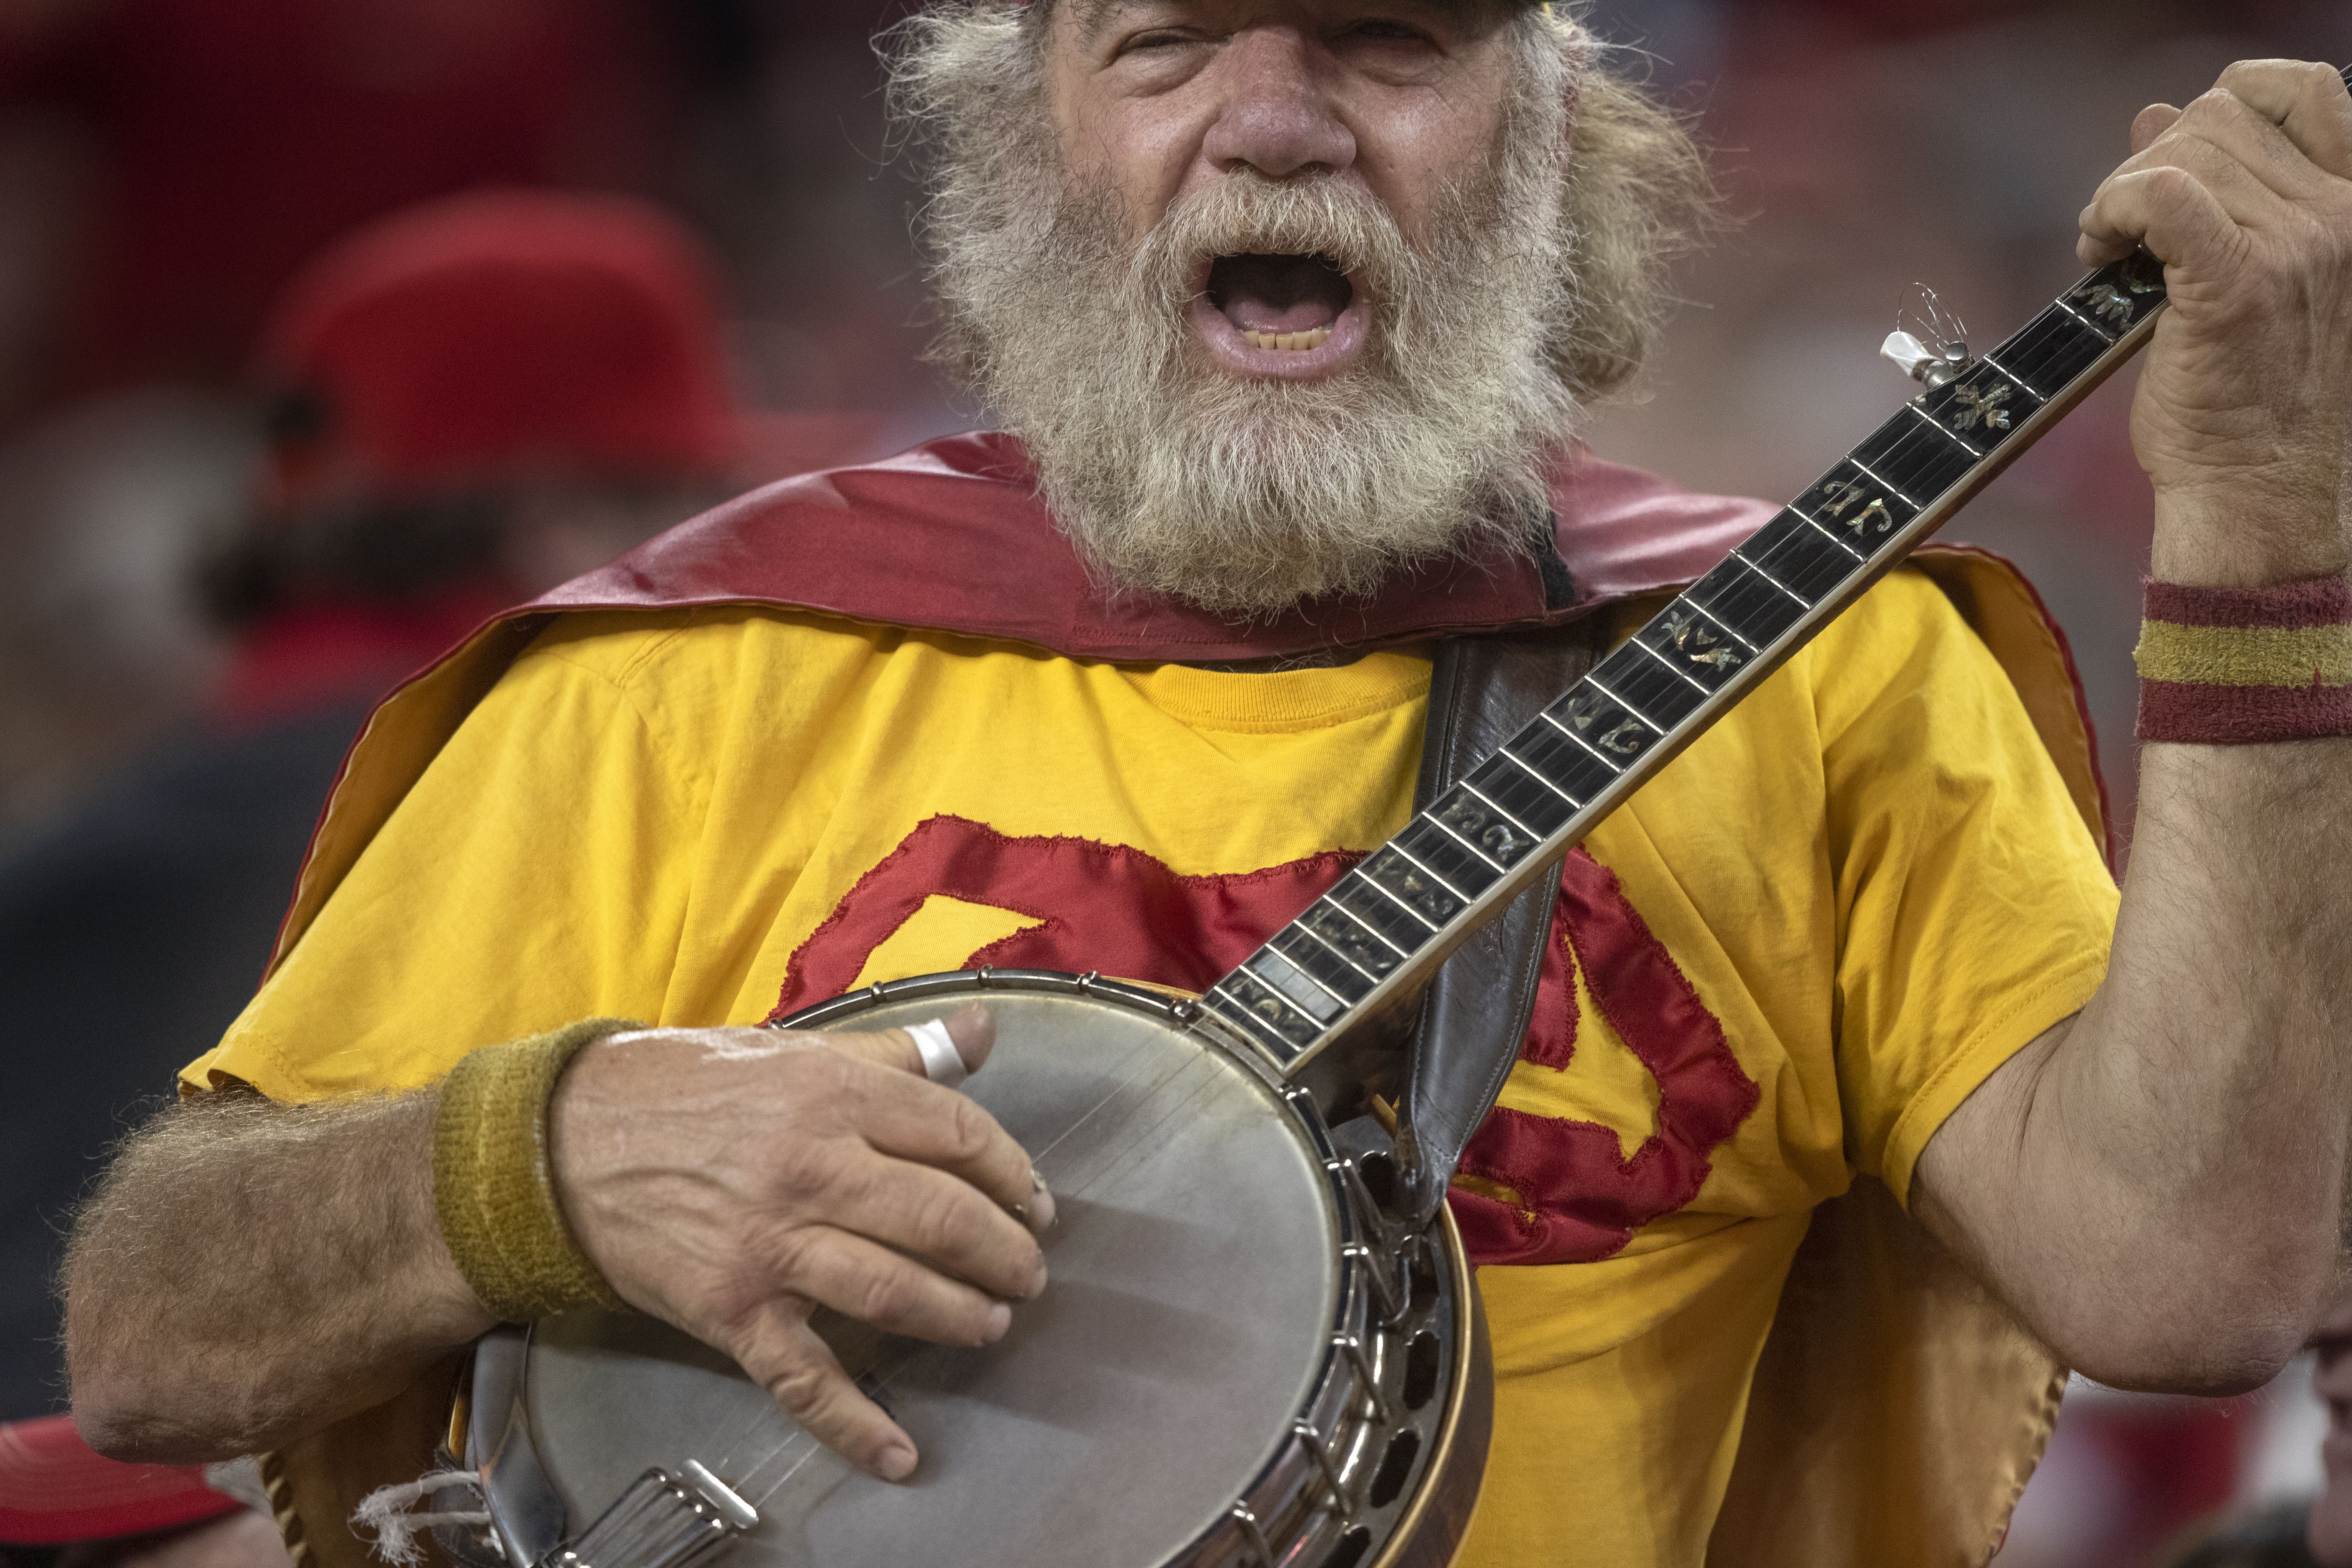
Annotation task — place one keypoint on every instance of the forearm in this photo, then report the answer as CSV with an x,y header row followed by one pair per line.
x,y
249,1272
2170,1171
2210,1072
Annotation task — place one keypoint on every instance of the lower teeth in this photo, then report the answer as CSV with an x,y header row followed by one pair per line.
x,y
1313,338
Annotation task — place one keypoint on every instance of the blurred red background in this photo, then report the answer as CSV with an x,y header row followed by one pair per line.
x,y
166,165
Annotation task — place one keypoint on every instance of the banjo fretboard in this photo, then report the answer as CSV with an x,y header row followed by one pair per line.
x,y
1368,945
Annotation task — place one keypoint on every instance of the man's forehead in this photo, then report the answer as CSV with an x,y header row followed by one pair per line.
x,y
1093,17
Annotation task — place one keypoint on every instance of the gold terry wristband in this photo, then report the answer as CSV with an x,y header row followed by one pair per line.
x,y
493,1188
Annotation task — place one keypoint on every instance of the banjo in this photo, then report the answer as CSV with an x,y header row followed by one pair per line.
x,y
1261,1345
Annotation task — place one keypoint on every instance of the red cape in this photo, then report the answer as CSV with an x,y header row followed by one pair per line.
x,y
952,536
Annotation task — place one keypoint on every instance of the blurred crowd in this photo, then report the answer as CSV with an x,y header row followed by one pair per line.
x,y
328,327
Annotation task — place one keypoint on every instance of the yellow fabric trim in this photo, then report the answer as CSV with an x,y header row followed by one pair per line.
x,y
493,1188
1967,1068
2244,655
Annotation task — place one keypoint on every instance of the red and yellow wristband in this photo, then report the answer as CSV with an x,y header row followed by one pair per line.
x,y
2234,667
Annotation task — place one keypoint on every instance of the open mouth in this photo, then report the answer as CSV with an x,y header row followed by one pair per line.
x,y
1288,302
1285,315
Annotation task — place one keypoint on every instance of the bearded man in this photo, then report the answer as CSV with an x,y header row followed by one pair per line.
x,y
1290,307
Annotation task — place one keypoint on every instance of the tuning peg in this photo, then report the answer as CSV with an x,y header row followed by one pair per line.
x,y
1929,367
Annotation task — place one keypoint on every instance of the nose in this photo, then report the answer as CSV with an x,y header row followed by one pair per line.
x,y
1276,116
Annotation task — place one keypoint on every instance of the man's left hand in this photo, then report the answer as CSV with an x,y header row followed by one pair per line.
x,y
2243,419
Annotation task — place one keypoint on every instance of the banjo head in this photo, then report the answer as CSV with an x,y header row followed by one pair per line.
x,y
1199,1279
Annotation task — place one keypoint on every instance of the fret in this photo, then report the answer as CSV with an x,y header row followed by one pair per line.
x,y
1394,874
1573,769
1700,648
1736,598
1952,436
1703,615
1334,977
1893,489
1830,536
1615,735
1344,931
1986,402
1448,870
2065,340
1648,688
1475,792
1848,500
1912,461
1634,713
1419,918
2086,320
1803,604
1288,938
1295,986
1680,673
1796,555
1287,941
1368,905
2120,295
1483,827
1457,869
1906,462
2016,381
1528,770
1289,1028
1455,836
1547,717
1531,795
2053,349
1266,1037
1528,798
1359,946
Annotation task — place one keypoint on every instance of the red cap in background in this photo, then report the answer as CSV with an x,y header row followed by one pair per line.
x,y
465,340
54,1488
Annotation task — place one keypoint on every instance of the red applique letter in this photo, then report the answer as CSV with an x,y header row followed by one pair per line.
x,y
1103,905
1584,1201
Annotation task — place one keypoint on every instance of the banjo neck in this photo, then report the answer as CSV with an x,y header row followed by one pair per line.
x,y
1358,958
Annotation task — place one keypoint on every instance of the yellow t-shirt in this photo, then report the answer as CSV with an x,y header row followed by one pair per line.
x,y
1784,962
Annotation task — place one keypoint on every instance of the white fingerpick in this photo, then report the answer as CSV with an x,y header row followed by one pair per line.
x,y
943,1063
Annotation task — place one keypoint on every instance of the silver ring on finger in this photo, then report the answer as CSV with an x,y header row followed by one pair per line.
x,y
943,1063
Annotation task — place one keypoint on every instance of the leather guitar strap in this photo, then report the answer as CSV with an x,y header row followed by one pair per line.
x,y
1475,1013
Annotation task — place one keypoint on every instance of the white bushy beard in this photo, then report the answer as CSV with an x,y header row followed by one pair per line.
x,y
1174,475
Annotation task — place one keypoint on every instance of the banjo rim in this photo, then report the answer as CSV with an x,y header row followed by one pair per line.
x,y
1426,1531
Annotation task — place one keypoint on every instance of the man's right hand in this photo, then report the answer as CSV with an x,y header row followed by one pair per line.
x,y
731,1181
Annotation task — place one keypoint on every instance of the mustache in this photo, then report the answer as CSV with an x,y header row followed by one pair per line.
x,y
1247,214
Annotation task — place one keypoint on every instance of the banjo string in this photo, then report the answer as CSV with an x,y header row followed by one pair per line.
x,y
1134,1074
796,1446
1127,1081
890,1369
880,1376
